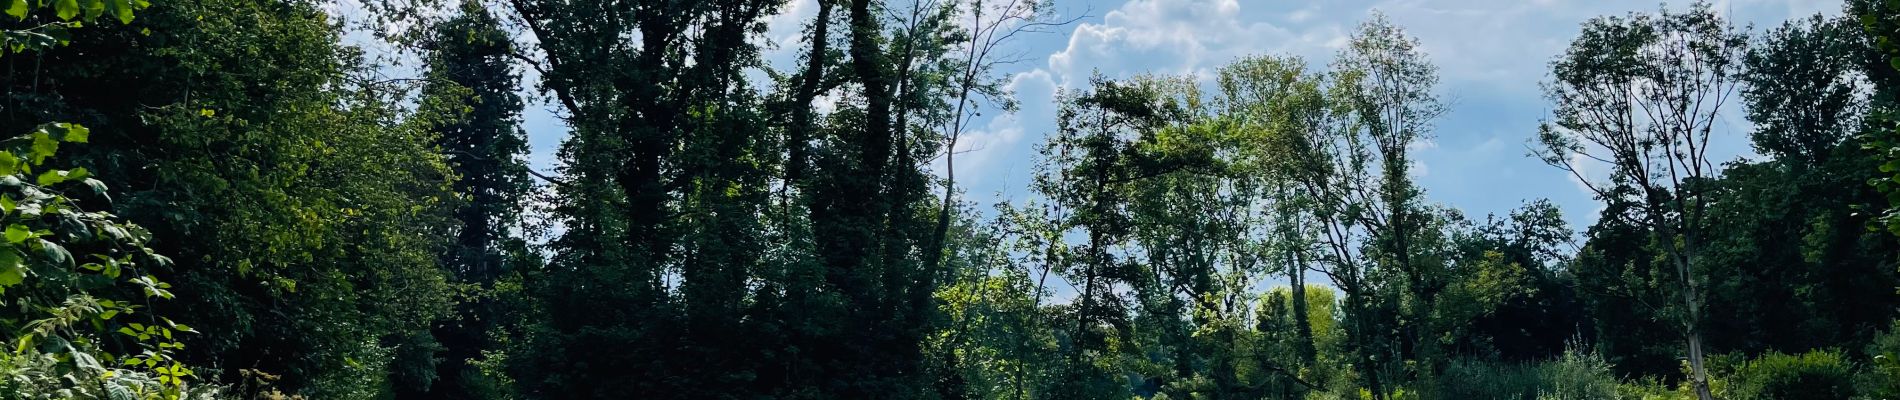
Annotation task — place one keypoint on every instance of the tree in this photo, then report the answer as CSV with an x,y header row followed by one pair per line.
x,y
294,258
1387,85
1878,64
1275,103
1092,158
1343,140
1803,88
85,323
1641,95
63,318
470,102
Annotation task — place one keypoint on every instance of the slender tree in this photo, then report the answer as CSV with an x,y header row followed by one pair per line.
x,y
1641,95
471,103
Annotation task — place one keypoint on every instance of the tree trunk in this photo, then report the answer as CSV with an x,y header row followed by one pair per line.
x,y
800,133
1296,276
1699,373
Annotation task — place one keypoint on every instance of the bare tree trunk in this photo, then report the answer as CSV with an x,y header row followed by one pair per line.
x,y
1699,373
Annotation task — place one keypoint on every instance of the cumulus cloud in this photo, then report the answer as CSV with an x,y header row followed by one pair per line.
x,y
998,145
1190,37
1491,56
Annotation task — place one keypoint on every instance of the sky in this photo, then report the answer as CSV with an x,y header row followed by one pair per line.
x,y
1491,55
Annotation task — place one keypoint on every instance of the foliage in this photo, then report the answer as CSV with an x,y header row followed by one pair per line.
x,y
43,31
1575,375
718,228
470,103
1882,65
1880,375
1817,374
306,217
79,287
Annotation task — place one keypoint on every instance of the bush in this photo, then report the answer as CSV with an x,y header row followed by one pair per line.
x,y
78,288
1881,379
1812,375
1576,375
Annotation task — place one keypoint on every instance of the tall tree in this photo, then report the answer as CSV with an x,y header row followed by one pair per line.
x,y
1804,89
1388,85
1641,95
1275,102
470,101
1091,160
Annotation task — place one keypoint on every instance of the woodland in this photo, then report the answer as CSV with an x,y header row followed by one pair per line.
x,y
234,199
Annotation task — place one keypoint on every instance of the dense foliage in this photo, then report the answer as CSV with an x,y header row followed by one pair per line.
x,y
292,217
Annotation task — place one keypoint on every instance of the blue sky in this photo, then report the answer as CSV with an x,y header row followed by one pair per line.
x,y
1491,55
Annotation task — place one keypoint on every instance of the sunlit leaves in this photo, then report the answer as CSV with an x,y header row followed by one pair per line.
x,y
66,9
17,8
12,269
70,14
40,223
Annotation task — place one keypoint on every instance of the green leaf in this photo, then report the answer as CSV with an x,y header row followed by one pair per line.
x,y
56,253
50,178
17,233
76,133
66,9
97,186
17,9
94,8
9,163
43,146
7,205
121,9
12,268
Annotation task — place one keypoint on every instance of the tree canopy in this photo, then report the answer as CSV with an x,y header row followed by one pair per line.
x,y
240,199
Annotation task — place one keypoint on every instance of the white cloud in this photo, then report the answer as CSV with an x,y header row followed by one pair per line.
x,y
1182,37
784,39
990,153
1491,56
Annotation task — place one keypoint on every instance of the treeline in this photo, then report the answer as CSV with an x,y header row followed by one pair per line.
x,y
286,220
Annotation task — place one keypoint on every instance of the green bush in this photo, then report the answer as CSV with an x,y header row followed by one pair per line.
x,y
1821,374
1881,378
1475,379
1576,375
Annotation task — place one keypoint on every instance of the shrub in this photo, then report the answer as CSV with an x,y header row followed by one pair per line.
x,y
1881,379
1576,375
77,287
1812,375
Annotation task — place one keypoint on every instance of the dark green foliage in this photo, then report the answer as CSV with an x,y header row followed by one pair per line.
x,y
1803,92
305,219
1813,375
1094,157
469,101
1880,374
1572,376
343,235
